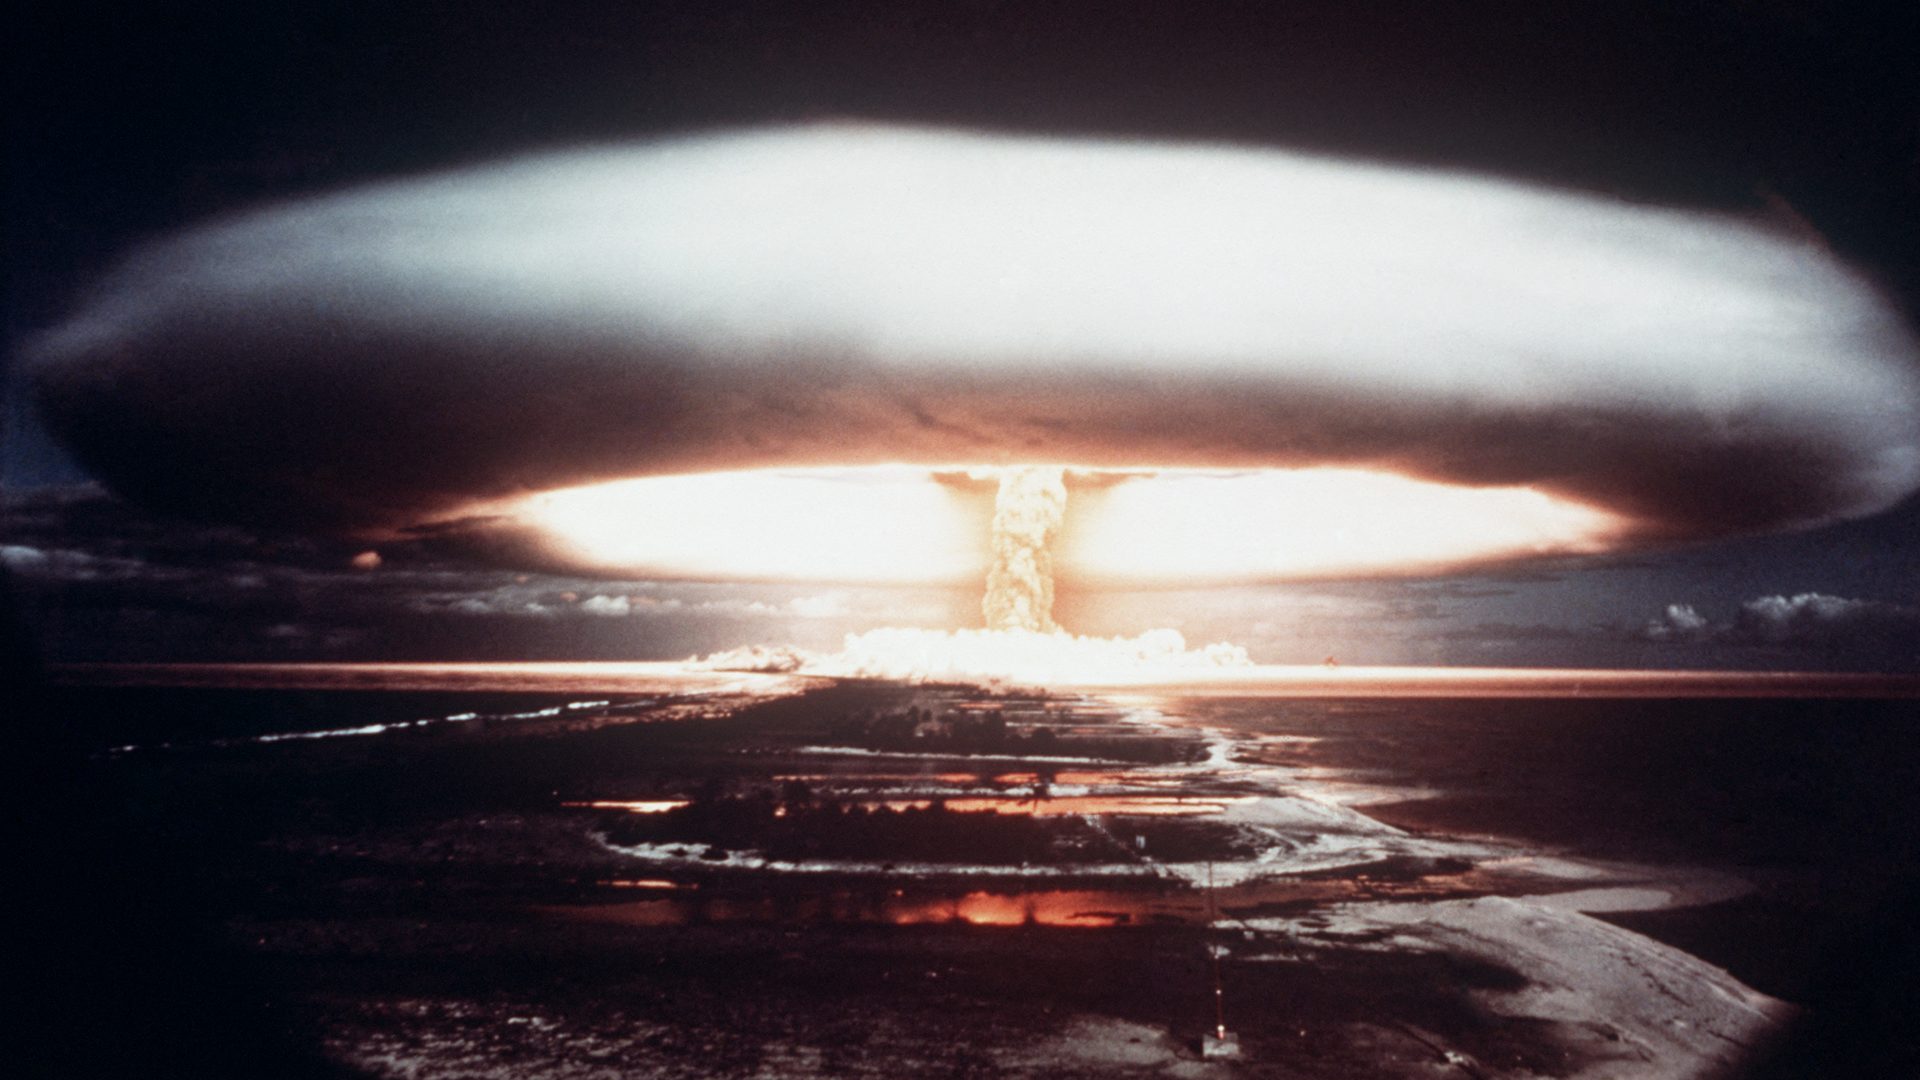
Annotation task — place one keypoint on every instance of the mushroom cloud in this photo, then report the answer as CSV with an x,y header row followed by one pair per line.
x,y
805,312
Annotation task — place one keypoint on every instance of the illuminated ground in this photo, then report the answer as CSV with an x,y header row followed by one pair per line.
x,y
1404,887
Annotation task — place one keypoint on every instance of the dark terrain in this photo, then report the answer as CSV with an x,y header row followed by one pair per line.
x,y
224,907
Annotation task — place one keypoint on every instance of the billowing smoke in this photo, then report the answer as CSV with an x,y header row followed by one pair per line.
x,y
1021,642
838,295
1027,512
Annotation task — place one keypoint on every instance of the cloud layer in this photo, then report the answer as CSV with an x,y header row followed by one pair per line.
x,y
1802,621
393,354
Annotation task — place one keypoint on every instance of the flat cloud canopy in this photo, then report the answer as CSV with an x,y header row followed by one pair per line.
x,y
851,295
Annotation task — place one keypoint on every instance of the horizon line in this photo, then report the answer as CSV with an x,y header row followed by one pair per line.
x,y
1265,680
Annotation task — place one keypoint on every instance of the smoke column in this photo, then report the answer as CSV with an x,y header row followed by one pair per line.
x,y
1021,642
1026,514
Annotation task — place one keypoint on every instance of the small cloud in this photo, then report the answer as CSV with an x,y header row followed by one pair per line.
x,y
485,606
825,606
609,606
1680,622
22,559
65,565
366,560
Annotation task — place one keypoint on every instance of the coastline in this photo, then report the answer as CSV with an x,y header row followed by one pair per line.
x,y
1264,681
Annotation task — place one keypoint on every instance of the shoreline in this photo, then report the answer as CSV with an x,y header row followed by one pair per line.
x,y
1260,681
446,900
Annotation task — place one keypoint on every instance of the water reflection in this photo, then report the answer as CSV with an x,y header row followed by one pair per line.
x,y
1055,907
984,778
1029,804
632,806
1137,805
1086,908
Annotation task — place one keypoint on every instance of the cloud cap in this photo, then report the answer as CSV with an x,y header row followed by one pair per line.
x,y
842,294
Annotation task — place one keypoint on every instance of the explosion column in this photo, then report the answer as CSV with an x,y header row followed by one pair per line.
x,y
1027,511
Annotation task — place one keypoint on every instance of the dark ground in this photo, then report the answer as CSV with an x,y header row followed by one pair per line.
x,y
249,910
1817,802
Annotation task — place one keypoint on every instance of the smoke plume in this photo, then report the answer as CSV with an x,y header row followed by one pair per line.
x,y
390,356
1027,511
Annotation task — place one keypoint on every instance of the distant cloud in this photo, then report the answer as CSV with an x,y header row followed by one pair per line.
x,y
1805,620
610,606
1812,618
67,564
483,606
1680,622
824,606
22,559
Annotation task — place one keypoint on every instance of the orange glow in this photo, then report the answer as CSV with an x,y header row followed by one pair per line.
x,y
911,525
1050,907
1046,908
641,806
1074,805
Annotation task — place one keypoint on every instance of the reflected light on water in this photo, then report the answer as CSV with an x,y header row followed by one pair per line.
x,y
633,806
1065,805
1056,907
1071,908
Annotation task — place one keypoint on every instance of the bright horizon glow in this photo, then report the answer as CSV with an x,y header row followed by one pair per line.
x,y
1261,680
1185,527
898,525
884,526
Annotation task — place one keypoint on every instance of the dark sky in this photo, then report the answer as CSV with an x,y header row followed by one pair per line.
x,y
131,121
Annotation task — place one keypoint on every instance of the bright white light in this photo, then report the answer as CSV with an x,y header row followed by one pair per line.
x,y
1188,527
908,525
1022,656
878,526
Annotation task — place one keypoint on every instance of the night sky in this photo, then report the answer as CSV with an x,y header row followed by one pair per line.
x,y
132,123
